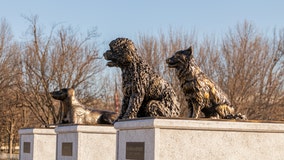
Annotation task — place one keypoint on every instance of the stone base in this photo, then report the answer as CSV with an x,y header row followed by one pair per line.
x,y
37,144
85,142
168,139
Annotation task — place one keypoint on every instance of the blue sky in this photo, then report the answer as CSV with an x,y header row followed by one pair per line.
x,y
128,18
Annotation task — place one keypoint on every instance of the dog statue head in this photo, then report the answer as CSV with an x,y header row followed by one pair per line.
x,y
180,58
122,53
63,94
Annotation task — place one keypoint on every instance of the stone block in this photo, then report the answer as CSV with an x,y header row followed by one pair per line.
x,y
183,139
85,142
36,143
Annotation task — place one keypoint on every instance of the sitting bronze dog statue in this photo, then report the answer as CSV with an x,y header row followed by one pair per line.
x,y
201,93
77,113
145,93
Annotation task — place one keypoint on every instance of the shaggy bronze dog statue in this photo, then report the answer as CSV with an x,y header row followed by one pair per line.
x,y
201,93
146,94
77,113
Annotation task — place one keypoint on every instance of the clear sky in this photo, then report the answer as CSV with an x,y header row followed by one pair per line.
x,y
128,18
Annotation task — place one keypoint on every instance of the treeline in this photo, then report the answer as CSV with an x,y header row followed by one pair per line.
x,y
247,64
41,63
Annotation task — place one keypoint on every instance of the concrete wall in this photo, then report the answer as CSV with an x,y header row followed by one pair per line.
x,y
36,143
156,139
168,139
68,142
87,142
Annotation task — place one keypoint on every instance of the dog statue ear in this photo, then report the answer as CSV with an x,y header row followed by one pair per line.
x,y
71,91
189,52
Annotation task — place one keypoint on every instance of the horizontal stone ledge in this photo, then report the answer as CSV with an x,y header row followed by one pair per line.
x,y
106,129
44,131
201,124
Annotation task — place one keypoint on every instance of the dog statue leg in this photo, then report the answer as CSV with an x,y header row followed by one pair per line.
x,y
224,110
196,110
157,108
134,105
190,110
125,103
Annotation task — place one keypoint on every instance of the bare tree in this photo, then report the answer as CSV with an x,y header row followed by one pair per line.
x,y
9,73
155,50
7,55
247,65
251,72
61,59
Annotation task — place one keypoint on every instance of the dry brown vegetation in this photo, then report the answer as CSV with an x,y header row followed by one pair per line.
x,y
60,60
247,64
30,70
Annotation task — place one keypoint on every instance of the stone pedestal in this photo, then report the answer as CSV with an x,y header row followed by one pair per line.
x,y
37,144
85,142
168,139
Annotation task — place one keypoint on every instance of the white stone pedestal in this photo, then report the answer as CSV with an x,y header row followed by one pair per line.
x,y
37,144
86,142
171,139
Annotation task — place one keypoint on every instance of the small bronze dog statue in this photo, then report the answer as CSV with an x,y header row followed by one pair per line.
x,y
201,93
77,113
146,94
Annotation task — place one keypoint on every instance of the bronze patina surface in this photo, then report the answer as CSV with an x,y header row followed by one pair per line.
x,y
201,93
77,113
145,93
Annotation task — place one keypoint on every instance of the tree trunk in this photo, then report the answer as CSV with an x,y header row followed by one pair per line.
x,y
11,138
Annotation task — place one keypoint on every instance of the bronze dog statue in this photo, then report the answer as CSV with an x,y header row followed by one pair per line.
x,y
77,113
201,93
146,94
